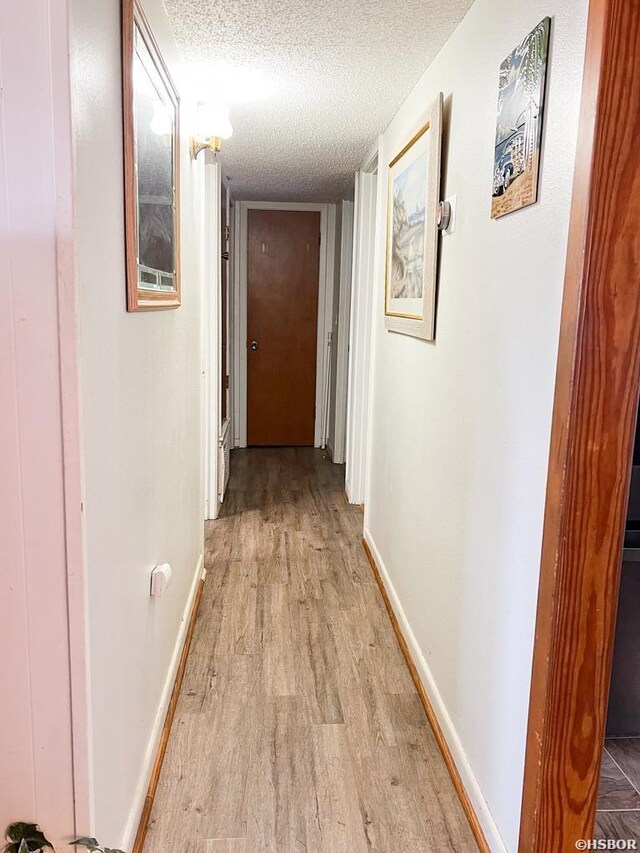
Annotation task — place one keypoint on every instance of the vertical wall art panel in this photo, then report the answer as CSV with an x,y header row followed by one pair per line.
x,y
516,161
412,234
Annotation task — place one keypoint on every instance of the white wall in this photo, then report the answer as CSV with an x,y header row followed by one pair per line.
x,y
142,391
460,428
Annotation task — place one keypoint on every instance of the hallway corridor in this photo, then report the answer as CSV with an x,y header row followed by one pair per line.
x,y
298,726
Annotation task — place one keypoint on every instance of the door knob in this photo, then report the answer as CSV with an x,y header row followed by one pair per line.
x,y
254,345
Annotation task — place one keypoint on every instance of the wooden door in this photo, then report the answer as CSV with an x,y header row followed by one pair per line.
x,y
283,256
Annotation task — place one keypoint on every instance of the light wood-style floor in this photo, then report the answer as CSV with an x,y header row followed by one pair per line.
x,y
298,727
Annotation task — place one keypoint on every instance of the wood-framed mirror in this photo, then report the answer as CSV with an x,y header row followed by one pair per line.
x,y
151,109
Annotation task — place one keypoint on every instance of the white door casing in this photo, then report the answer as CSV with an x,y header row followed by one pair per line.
x,y
362,301
342,343
212,333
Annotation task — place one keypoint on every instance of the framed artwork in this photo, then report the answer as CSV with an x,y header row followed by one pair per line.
x,y
412,234
151,168
516,160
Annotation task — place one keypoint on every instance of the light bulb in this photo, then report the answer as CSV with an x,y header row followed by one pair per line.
x,y
161,123
213,120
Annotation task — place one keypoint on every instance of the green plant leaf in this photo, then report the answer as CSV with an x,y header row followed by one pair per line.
x,y
93,846
25,837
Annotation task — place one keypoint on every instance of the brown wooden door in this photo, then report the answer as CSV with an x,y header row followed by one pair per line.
x,y
283,256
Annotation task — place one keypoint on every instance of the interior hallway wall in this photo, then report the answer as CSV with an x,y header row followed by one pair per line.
x,y
142,418
460,429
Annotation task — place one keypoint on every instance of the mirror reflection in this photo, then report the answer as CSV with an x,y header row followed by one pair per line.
x,y
154,117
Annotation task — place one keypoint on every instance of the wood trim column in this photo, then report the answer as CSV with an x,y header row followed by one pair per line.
x,y
592,440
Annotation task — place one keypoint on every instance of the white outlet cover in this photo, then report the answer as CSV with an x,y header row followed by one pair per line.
x,y
160,579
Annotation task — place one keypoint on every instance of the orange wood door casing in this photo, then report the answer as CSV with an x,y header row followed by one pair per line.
x,y
283,257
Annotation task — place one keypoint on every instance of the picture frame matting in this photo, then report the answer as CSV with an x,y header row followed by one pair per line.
x,y
413,194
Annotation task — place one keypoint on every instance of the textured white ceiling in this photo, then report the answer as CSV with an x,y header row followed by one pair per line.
x,y
338,69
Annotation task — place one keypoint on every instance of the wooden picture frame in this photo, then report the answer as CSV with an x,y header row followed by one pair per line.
x,y
151,112
412,232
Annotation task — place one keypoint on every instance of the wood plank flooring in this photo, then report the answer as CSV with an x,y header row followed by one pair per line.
x,y
618,815
298,727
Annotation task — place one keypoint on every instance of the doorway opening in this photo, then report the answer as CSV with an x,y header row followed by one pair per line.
x,y
283,267
283,293
618,806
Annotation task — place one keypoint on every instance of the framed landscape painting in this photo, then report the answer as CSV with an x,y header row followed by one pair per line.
x,y
412,234
516,160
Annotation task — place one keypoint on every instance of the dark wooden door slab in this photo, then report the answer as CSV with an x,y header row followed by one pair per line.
x,y
283,256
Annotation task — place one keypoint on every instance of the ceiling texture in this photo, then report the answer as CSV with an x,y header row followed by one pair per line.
x,y
311,83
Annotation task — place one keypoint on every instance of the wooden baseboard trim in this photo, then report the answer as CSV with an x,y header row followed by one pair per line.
x,y
428,709
168,722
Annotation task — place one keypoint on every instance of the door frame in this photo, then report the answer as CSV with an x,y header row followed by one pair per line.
x,y
325,303
361,327
45,731
212,332
342,342
592,437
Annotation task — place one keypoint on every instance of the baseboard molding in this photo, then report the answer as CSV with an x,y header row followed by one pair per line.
x,y
360,506
480,819
149,777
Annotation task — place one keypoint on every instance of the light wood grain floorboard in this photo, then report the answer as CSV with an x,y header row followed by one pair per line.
x,y
298,727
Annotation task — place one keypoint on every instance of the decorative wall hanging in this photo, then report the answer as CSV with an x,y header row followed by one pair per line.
x,y
412,233
151,168
516,161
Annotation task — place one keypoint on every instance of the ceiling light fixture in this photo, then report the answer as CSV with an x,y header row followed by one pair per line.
x,y
213,127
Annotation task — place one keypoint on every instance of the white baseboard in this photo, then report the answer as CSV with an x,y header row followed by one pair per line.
x,y
467,776
131,829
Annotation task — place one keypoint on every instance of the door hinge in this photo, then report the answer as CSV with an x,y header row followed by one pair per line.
x,y
226,381
320,239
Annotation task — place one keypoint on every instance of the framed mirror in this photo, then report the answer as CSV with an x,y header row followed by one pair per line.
x,y
151,168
